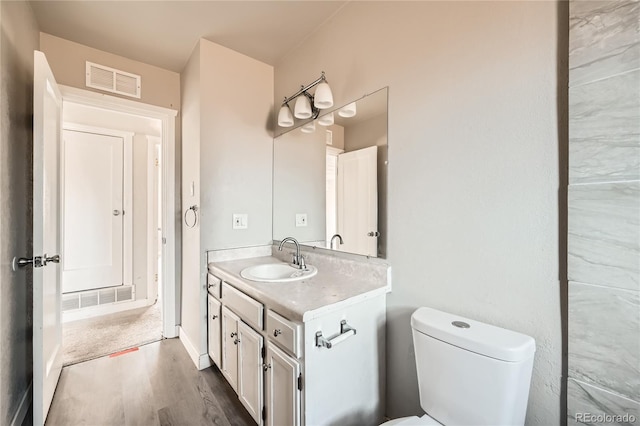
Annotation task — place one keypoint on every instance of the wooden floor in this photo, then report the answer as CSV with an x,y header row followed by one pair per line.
x,y
155,385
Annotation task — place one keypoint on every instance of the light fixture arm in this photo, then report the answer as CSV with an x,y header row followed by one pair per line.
x,y
304,89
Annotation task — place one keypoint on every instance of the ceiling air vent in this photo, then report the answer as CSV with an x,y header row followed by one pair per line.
x,y
113,80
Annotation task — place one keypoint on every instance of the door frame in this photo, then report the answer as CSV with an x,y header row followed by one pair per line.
x,y
127,190
168,119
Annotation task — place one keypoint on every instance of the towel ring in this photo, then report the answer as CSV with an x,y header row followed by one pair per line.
x,y
193,209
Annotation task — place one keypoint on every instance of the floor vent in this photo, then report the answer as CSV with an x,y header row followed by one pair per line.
x,y
87,299
112,80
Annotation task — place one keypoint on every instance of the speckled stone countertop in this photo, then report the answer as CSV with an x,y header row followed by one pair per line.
x,y
339,283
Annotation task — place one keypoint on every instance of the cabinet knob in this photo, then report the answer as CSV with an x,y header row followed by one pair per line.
x,y
234,334
214,317
277,332
265,367
236,341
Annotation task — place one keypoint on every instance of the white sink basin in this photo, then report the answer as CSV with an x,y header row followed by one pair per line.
x,y
277,273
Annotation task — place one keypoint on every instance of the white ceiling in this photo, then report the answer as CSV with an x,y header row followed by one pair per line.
x,y
163,33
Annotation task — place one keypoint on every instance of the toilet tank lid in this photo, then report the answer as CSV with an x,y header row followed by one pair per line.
x,y
483,339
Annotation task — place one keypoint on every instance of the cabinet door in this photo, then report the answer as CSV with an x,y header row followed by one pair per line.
x,y
230,342
283,396
250,371
213,334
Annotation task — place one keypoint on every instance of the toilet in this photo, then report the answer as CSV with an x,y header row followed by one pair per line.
x,y
469,373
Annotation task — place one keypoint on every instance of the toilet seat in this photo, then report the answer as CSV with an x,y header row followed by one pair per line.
x,y
413,421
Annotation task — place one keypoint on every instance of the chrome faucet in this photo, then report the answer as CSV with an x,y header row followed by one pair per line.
x,y
339,237
298,259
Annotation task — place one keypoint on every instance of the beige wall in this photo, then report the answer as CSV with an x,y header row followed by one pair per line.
x,y
68,59
191,305
227,104
473,172
18,40
299,185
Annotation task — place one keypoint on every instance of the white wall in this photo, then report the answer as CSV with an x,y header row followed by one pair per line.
x,y
18,39
473,172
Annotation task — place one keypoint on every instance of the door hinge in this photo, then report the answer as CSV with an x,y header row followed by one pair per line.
x,y
264,353
164,240
300,382
156,277
264,413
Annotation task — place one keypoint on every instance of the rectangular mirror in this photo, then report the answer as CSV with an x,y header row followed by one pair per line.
x,y
330,184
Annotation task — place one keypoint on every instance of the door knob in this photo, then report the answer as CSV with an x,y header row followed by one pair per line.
x,y
214,317
52,259
373,234
116,212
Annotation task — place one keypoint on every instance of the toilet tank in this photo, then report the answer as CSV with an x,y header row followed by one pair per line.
x,y
470,373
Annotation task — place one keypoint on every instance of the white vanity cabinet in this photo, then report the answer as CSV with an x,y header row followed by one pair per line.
x,y
213,326
283,384
306,367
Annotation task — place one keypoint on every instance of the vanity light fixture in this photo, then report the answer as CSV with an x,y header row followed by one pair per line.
x,y
306,105
326,120
310,127
348,111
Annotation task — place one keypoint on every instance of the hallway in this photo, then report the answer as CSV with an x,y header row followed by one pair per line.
x,y
91,338
157,384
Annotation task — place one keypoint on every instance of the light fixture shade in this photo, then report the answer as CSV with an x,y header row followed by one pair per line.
x,y
310,127
323,98
285,118
348,110
326,120
302,108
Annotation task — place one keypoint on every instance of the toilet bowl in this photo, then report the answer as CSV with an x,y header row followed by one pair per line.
x,y
469,372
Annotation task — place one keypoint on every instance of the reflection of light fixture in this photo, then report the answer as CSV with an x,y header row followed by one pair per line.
x,y
348,111
285,118
326,120
306,105
310,127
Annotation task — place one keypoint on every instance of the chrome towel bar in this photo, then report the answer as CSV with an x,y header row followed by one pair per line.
x,y
346,331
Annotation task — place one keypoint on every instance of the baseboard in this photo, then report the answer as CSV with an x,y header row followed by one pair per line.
x,y
97,311
23,408
201,361
204,362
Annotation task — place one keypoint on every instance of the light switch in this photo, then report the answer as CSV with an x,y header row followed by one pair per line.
x,y
301,220
240,221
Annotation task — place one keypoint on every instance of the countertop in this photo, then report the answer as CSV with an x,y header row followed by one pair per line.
x,y
335,286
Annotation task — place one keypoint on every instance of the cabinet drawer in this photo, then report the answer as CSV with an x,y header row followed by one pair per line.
x,y
214,285
284,332
244,306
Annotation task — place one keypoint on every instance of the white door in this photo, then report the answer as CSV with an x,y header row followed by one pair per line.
x,y
230,347
214,330
250,371
47,294
358,201
283,396
93,211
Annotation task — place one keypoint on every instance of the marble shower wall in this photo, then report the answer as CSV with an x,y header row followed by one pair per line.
x,y
604,212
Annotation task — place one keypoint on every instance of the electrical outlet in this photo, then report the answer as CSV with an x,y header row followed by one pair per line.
x,y
301,220
240,221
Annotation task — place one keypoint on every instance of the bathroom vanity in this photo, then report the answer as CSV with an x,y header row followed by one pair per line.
x,y
307,352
